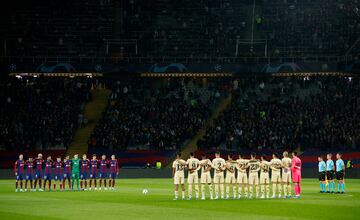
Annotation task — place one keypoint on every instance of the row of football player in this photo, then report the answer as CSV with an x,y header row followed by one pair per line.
x,y
244,182
328,171
69,169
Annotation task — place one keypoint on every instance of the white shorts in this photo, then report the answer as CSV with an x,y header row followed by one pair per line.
x,y
219,177
264,178
286,176
230,178
193,178
205,178
242,178
179,178
253,178
276,177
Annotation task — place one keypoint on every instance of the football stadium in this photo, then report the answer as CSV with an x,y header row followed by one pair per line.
x,y
190,109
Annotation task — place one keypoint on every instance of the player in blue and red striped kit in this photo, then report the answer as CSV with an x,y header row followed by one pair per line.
x,y
19,172
67,171
114,171
84,172
48,172
39,166
59,166
30,174
103,170
93,170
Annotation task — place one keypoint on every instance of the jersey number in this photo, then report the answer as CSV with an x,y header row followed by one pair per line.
x,y
179,167
253,166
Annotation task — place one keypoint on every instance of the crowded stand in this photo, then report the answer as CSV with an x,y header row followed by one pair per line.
x,y
275,113
56,28
149,120
185,29
306,27
143,115
40,113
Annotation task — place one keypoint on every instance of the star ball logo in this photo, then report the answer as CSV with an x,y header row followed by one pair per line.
x,y
98,68
218,67
12,67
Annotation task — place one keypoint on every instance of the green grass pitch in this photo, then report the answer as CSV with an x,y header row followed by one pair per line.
x,y
128,202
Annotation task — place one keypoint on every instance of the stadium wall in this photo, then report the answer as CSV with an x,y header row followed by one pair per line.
x,y
167,173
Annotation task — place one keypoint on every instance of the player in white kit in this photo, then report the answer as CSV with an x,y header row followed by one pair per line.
x,y
219,167
242,178
178,175
206,166
254,167
193,176
286,174
230,177
264,178
275,174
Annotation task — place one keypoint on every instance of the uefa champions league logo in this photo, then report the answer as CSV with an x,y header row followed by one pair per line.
x,y
98,67
218,67
12,67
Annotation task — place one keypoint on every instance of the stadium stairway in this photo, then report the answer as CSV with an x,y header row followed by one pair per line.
x,y
93,111
192,145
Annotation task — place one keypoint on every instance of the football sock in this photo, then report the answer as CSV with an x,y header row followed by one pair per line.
x,y
203,190
279,189
196,190
274,189
289,190
190,190
211,190
222,190
176,194
268,190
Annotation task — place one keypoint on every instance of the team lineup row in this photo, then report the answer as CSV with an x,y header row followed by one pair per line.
x,y
328,171
68,169
283,172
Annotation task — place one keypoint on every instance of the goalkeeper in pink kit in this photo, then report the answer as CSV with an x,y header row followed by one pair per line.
x,y
296,173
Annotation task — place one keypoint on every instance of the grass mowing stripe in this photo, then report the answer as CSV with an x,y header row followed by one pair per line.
x,y
128,202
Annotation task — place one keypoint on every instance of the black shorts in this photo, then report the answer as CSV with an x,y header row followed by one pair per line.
x,y
322,176
329,175
340,175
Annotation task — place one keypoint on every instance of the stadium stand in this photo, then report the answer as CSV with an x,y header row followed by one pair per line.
x,y
182,29
148,120
40,113
145,114
310,27
187,28
56,28
279,113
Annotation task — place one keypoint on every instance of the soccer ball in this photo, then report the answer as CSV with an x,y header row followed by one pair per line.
x,y
145,191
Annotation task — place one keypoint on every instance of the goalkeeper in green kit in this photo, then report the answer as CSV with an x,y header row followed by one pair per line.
x,y
75,171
